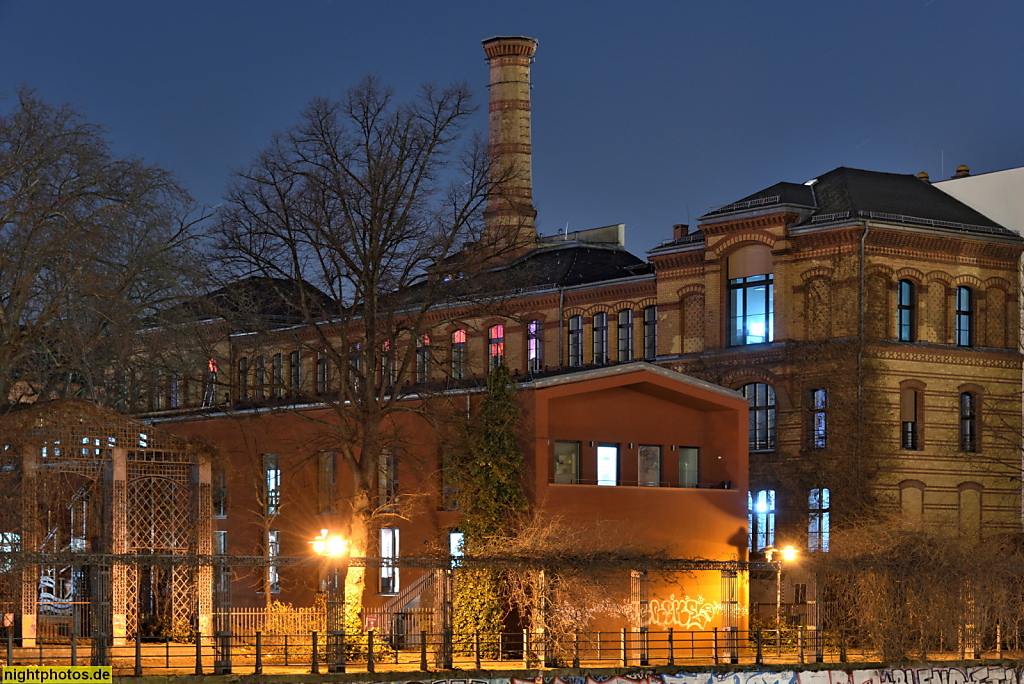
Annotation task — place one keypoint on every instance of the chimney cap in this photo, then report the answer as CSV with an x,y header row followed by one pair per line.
x,y
962,171
510,46
924,176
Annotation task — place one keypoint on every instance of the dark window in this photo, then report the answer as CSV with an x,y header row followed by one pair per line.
x,y
625,335
220,493
567,462
762,415
387,478
905,311
575,341
423,359
277,374
968,422
818,419
243,378
964,317
295,371
600,338
322,373
650,332
909,423
260,377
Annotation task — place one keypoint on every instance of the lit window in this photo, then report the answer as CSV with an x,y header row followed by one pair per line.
x,y
964,317
575,341
495,346
905,311
272,483
210,389
910,427
273,552
751,295
534,347
762,415
689,466
423,359
968,422
650,332
567,462
761,518
625,335
600,326
649,465
220,542
459,355
818,423
608,465
388,558
818,520
456,542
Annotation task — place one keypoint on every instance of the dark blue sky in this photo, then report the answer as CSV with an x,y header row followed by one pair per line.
x,y
646,113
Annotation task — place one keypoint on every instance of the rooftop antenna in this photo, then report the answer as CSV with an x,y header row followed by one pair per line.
x,y
565,234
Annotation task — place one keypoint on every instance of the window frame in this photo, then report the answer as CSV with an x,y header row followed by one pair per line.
x,y
574,331
819,525
762,416
458,368
647,454
599,327
650,314
762,507
423,359
741,292
389,553
272,484
570,474
817,423
535,345
969,434
964,305
624,338
906,310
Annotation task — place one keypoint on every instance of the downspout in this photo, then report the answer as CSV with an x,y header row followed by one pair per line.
x,y
561,326
861,296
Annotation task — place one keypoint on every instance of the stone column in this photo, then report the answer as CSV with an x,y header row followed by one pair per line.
x,y
118,503
30,544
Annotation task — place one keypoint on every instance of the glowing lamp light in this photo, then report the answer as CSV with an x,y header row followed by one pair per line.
x,y
329,546
789,554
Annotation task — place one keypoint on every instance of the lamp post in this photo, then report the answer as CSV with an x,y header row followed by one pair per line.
x,y
334,549
787,554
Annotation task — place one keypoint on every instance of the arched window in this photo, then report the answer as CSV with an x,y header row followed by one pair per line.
x,y
575,341
600,326
751,295
968,422
905,311
650,332
495,346
762,415
964,317
761,518
459,355
534,346
625,335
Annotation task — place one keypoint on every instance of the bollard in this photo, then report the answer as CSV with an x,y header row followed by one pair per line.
x,y
759,657
199,653
423,650
370,666
10,647
315,657
259,654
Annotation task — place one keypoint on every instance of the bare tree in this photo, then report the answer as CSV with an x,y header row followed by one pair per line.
x,y
356,220
90,246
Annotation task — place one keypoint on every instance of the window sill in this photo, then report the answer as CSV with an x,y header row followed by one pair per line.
x,y
724,485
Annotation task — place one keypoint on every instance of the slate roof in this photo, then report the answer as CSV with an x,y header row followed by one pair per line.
x,y
258,299
570,265
858,193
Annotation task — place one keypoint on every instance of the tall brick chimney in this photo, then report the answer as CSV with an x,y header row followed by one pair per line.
x,y
509,214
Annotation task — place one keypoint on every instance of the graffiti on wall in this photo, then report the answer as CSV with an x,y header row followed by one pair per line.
x,y
685,612
918,675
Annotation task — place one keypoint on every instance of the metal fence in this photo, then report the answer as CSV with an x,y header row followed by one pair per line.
x,y
375,651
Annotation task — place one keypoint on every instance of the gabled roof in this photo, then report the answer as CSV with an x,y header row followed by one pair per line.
x,y
856,193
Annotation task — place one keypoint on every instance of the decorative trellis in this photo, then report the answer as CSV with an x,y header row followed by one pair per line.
x,y
94,481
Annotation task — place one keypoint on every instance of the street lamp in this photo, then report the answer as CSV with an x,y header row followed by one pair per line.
x,y
787,554
334,549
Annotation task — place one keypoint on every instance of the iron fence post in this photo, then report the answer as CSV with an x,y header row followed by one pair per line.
x,y
258,669
138,655
476,649
576,649
671,647
714,643
370,666
199,653
314,657
759,657
622,648
423,650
